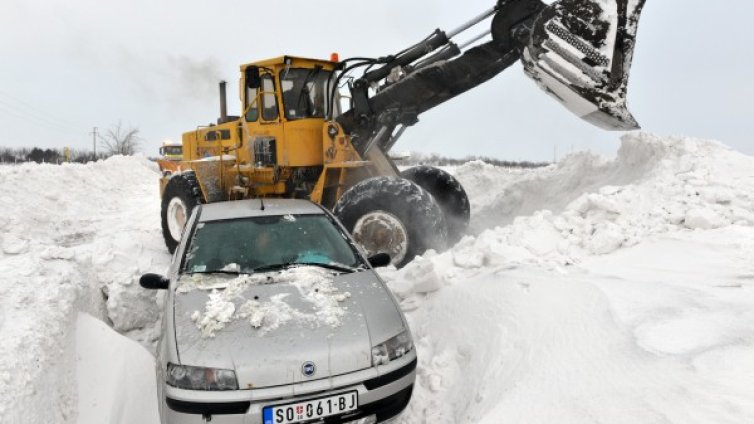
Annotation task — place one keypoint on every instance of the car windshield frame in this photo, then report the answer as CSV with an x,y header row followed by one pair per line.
x,y
327,251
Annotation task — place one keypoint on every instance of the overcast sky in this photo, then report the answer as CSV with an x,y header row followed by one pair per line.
x,y
67,66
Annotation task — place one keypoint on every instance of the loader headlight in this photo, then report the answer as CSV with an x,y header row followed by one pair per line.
x,y
200,378
392,349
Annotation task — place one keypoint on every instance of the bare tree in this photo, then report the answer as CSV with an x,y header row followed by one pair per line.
x,y
118,140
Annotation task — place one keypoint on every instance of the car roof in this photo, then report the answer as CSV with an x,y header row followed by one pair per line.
x,y
253,207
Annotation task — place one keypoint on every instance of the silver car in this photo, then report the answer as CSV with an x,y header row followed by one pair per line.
x,y
274,316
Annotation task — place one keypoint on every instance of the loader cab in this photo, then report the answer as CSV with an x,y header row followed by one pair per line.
x,y
284,106
287,87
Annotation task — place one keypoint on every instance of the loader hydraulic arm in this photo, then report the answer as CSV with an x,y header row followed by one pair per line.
x,y
579,51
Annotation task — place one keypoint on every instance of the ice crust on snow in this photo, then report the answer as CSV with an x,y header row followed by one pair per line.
x,y
595,290
314,284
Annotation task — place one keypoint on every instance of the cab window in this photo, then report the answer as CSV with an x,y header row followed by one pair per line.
x,y
269,102
304,92
252,105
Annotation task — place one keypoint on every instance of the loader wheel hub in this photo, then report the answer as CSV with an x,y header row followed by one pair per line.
x,y
176,217
382,232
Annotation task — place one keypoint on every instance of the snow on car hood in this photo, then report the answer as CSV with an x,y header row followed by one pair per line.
x,y
227,302
265,326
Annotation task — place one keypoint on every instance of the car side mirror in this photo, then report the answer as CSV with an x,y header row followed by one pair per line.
x,y
379,260
154,282
253,80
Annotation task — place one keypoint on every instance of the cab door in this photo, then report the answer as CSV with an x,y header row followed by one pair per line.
x,y
263,123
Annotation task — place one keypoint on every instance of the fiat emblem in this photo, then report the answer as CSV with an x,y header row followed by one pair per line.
x,y
308,369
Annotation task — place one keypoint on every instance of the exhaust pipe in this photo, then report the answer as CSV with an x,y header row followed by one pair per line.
x,y
223,104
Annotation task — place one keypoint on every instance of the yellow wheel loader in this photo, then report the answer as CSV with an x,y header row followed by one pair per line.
x,y
322,129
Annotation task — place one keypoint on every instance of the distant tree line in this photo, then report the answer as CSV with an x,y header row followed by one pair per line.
x,y
39,155
117,140
433,159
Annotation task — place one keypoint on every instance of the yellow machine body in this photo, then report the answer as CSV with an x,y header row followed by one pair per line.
x,y
267,152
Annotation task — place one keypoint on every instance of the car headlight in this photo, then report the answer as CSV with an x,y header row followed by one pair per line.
x,y
392,349
200,378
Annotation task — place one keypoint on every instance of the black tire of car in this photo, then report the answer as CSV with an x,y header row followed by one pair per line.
x,y
448,193
413,206
185,187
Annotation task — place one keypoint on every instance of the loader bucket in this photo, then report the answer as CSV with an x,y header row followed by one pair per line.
x,y
580,52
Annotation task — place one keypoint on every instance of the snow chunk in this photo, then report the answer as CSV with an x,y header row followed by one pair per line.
x,y
13,245
703,218
271,314
606,239
217,312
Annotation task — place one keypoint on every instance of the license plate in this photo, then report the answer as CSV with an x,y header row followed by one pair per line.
x,y
311,409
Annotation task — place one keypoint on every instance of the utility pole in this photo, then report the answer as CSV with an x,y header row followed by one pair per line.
x,y
94,142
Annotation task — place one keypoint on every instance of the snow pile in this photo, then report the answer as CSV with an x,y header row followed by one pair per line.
x,y
483,182
629,300
314,285
587,204
74,237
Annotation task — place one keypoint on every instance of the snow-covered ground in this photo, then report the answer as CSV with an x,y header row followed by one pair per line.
x,y
594,291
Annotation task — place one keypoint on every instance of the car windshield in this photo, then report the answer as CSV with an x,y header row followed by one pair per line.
x,y
259,244
304,92
172,150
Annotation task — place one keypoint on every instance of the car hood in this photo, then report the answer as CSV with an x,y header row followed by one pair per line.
x,y
265,327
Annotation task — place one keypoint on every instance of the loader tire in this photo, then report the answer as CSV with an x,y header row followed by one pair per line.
x,y
392,215
181,195
448,193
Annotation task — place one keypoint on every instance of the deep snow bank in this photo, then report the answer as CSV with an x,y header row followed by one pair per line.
x,y
669,172
627,301
74,237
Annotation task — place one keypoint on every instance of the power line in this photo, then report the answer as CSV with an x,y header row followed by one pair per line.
x,y
27,140
10,108
37,120
24,114
34,110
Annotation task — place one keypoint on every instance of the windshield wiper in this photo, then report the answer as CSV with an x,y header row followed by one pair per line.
x,y
275,267
218,271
